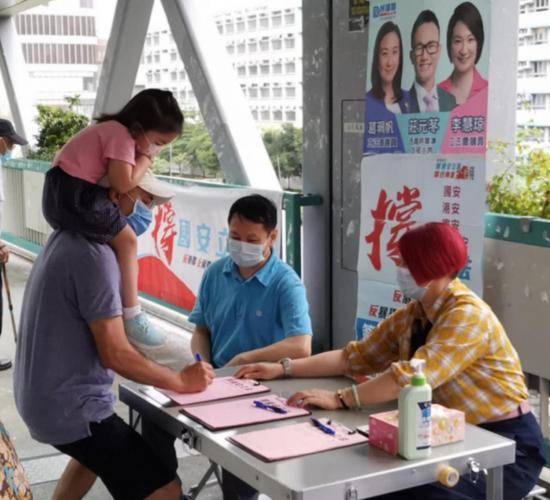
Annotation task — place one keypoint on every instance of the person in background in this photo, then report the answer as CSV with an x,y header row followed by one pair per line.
x,y
470,362
425,95
465,37
71,344
8,139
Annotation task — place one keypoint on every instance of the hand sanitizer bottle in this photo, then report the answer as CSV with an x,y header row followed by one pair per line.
x,y
415,415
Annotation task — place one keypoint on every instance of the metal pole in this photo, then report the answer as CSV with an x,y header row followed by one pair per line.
x,y
495,478
10,304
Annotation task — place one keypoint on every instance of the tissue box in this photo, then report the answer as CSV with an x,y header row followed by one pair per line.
x,y
448,426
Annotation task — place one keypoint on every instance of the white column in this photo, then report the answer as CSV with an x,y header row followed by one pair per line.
x,y
237,141
122,57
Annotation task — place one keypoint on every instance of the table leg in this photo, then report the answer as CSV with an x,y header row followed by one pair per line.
x,y
495,479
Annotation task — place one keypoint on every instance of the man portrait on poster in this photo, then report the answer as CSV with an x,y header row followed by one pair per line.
x,y
425,95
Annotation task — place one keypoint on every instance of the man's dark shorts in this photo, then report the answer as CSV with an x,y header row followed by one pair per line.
x,y
121,458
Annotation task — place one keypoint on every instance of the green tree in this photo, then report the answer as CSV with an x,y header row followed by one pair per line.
x,y
284,147
57,126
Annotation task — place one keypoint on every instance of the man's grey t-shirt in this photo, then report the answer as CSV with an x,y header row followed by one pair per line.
x,y
59,382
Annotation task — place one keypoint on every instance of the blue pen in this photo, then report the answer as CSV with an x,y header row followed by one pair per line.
x,y
264,406
198,357
325,428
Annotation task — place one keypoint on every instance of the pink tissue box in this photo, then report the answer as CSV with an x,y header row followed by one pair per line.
x,y
448,426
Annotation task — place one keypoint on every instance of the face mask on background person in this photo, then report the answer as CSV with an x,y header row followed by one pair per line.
x,y
140,218
245,254
408,285
6,156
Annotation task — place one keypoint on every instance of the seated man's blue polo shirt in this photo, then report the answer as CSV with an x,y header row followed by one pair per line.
x,y
243,315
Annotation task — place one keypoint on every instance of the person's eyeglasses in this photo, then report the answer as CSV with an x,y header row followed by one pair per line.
x,y
430,47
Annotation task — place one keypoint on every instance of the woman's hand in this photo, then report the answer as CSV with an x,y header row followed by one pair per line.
x,y
260,371
327,400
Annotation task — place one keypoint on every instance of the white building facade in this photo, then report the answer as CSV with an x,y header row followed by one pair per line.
x,y
62,51
263,39
534,67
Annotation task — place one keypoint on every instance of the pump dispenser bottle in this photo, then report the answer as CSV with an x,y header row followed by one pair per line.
x,y
415,415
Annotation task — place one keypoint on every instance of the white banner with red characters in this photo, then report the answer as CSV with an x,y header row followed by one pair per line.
x,y
186,236
399,191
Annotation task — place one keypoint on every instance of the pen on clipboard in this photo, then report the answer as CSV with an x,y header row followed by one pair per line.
x,y
265,406
325,428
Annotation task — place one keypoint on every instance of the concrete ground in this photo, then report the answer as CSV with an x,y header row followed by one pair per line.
x,y
43,463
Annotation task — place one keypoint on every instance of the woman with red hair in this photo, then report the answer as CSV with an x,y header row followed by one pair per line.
x,y
469,360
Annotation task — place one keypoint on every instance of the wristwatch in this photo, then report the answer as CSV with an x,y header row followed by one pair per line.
x,y
287,371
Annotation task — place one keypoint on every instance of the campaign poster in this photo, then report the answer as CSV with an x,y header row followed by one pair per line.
x,y
399,193
186,236
427,77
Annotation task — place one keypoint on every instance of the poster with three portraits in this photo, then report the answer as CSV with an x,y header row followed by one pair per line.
x,y
425,138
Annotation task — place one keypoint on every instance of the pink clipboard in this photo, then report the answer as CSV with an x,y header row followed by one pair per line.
x,y
220,388
229,414
295,440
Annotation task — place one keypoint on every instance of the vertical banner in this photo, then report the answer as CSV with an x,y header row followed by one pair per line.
x,y
186,236
425,138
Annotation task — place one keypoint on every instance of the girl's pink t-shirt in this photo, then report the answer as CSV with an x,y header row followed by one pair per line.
x,y
87,154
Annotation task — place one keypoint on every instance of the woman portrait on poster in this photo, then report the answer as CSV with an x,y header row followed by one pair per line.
x,y
387,71
465,37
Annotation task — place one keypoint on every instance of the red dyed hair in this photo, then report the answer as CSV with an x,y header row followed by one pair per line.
x,y
433,250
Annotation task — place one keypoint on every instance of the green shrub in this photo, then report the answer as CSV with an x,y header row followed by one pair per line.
x,y
523,188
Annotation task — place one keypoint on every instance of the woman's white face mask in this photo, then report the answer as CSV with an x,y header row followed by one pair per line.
x,y
408,285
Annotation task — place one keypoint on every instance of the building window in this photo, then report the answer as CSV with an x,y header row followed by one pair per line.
x,y
290,91
290,43
255,114
253,92
157,75
148,40
540,68
173,56
541,35
277,115
86,4
264,23
277,68
182,75
264,68
241,48
290,116
229,28
252,46
240,26
264,115
264,44
289,18
264,92
277,92
290,67
174,75
541,4
540,101
276,44
243,89
157,57
276,20
252,70
231,49
241,71
88,83
220,28
155,38
183,95
252,23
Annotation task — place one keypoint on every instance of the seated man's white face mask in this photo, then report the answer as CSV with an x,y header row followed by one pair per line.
x,y
245,254
408,285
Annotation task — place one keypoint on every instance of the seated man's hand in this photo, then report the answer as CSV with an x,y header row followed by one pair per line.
x,y
239,359
196,377
260,371
327,400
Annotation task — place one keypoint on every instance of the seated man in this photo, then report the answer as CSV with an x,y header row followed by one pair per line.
x,y
470,362
71,341
251,305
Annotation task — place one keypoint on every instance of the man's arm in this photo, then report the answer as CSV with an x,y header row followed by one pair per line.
x,y
297,346
200,342
116,353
